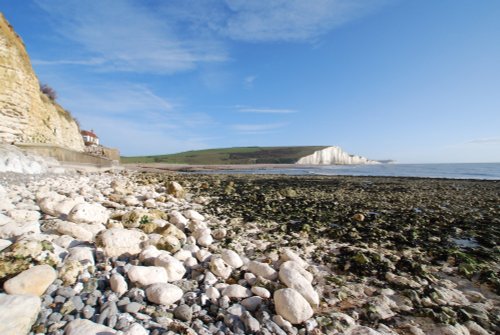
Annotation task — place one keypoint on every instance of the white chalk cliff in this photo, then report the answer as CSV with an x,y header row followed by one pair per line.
x,y
333,156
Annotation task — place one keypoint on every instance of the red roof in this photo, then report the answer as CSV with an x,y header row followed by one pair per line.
x,y
88,133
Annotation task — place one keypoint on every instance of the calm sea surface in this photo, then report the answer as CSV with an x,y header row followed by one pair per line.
x,y
489,171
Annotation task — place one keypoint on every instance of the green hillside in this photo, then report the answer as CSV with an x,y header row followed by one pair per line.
x,y
245,155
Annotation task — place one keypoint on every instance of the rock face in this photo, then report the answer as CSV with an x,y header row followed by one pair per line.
x,y
333,156
26,114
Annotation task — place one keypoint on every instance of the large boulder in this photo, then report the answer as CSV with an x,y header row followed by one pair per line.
x,y
147,275
293,279
163,294
32,281
88,213
292,306
175,189
18,313
118,241
174,268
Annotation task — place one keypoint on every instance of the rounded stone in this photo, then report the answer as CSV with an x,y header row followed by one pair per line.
x,y
183,312
32,281
292,306
163,293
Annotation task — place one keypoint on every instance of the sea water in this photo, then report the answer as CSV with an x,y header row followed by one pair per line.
x,y
490,171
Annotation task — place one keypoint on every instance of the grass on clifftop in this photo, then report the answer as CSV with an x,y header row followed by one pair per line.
x,y
243,155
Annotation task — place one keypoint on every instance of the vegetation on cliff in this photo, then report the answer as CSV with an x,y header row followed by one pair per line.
x,y
242,155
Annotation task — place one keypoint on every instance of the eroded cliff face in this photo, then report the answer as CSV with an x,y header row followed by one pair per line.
x,y
333,156
26,114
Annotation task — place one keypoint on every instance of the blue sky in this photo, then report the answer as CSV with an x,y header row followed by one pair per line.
x,y
414,81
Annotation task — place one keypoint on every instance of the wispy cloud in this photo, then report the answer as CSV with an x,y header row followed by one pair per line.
x,y
89,62
289,20
266,110
136,119
490,140
128,36
257,128
249,80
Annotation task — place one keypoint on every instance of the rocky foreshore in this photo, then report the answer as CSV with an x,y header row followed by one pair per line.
x,y
166,253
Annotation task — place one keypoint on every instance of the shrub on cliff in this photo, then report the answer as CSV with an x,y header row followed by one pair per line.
x,y
48,91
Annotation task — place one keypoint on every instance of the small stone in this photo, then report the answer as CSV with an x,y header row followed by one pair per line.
x,y
220,268
55,317
203,255
252,303
133,307
147,275
219,234
292,306
252,325
194,215
78,303
288,255
261,292
212,293
88,312
175,189
236,309
163,293
174,268
232,258
183,312
358,217
32,281
74,230
136,329
66,292
204,238
263,270
236,291
88,213
178,219
86,327
250,278
118,284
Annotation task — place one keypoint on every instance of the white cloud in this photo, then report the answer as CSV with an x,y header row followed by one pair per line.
x,y
89,62
129,37
257,128
490,140
249,80
170,36
289,20
266,110
137,139
136,119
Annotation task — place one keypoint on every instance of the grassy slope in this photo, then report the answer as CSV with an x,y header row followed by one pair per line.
x,y
245,155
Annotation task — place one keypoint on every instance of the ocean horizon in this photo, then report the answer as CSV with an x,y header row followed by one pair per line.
x,y
484,171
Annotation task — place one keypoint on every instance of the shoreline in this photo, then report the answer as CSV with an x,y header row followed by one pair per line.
x,y
383,255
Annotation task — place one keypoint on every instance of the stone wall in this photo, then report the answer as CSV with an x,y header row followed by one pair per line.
x,y
65,155
100,151
26,114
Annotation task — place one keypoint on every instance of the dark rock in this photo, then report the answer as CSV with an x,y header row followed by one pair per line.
x,y
183,312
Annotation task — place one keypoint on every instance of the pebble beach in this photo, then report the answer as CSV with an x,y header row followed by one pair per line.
x,y
132,252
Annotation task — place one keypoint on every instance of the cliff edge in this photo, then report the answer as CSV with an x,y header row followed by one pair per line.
x,y
334,156
26,114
